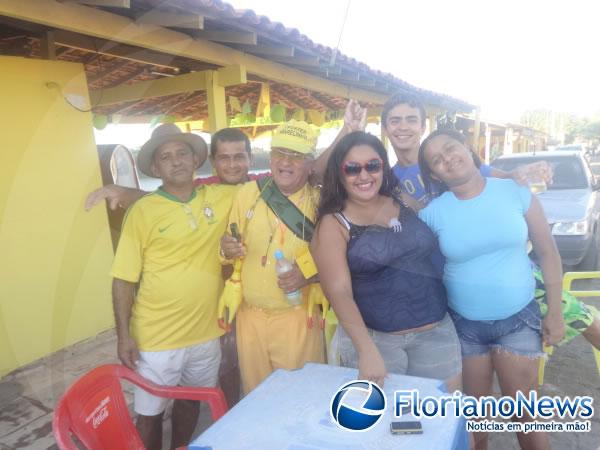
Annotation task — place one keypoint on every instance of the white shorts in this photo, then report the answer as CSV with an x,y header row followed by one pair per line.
x,y
197,365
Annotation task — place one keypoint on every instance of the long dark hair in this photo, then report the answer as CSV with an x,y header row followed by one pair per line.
x,y
433,186
333,193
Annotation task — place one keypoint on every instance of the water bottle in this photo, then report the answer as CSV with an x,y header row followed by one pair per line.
x,y
283,266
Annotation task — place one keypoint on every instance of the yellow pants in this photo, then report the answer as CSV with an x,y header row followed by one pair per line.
x,y
270,340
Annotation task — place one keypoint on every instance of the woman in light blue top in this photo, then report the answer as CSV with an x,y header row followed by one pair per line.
x,y
483,225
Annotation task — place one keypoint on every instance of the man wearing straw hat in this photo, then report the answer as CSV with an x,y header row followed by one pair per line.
x,y
167,331
276,213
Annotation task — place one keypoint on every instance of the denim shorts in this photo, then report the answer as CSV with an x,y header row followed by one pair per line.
x,y
433,353
520,334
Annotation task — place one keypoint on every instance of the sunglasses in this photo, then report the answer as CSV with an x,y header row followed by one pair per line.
x,y
352,168
292,156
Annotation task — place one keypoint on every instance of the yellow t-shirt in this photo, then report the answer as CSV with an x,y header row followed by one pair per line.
x,y
263,233
172,248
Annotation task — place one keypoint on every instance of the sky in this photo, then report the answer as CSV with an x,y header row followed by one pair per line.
x,y
506,56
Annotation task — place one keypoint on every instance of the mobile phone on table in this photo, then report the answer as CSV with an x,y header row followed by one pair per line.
x,y
235,232
408,427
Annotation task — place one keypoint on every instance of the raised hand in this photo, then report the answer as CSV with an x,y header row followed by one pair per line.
x,y
355,116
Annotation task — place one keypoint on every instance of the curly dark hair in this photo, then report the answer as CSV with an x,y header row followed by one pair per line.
x,y
333,193
435,187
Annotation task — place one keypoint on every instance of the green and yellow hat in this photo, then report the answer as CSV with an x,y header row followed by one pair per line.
x,y
295,135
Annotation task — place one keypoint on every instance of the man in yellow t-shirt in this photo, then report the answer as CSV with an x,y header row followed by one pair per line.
x,y
168,331
271,332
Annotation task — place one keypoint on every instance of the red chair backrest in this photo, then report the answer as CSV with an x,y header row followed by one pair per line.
x,y
94,409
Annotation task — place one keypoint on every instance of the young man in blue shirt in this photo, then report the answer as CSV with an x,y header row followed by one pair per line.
x,y
403,122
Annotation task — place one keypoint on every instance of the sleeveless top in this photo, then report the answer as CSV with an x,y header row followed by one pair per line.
x,y
395,283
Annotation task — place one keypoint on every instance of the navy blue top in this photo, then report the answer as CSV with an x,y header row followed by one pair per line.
x,y
395,284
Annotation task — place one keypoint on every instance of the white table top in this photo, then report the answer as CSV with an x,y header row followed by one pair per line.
x,y
290,411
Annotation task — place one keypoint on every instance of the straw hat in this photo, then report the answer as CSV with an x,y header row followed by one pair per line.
x,y
169,132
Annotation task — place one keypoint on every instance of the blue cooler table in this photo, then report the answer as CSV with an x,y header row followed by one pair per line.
x,y
290,411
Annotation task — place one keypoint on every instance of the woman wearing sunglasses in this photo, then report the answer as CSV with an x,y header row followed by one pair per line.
x,y
483,225
375,265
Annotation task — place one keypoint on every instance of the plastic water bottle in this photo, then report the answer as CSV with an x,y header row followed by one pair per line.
x,y
283,266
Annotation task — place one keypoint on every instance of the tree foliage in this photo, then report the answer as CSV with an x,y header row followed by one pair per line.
x,y
557,125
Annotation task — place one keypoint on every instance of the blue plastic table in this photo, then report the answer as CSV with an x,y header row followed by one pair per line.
x,y
290,411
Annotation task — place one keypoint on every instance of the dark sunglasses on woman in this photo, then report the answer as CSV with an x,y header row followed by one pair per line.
x,y
353,168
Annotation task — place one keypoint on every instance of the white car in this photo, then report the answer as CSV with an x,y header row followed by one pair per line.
x,y
571,204
581,148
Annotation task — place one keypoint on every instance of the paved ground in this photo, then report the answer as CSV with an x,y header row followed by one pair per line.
x,y
27,396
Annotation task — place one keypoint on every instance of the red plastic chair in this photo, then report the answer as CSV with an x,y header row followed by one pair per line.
x,y
94,409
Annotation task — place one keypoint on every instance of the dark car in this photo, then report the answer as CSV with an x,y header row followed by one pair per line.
x,y
571,204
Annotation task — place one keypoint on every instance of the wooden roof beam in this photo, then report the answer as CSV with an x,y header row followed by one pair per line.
x,y
309,61
331,69
105,47
48,45
232,75
228,37
110,26
190,82
268,50
105,3
129,77
149,89
107,70
324,71
355,79
325,102
174,20
346,77
383,85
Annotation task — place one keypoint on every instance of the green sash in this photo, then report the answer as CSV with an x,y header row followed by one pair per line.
x,y
285,210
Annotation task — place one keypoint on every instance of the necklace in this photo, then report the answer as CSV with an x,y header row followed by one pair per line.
x,y
192,220
277,225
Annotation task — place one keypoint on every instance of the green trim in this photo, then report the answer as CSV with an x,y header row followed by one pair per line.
x,y
160,191
285,210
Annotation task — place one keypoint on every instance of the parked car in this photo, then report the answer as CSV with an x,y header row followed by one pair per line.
x,y
571,204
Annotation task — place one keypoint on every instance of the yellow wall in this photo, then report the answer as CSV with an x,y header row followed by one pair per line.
x,y
54,257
